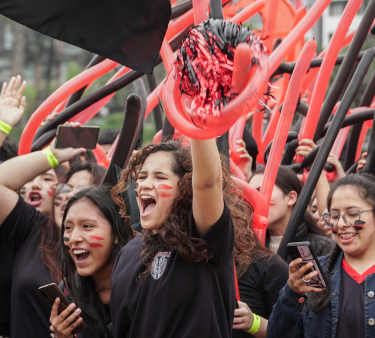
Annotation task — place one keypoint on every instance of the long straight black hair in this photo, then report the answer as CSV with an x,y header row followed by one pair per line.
x,y
288,181
79,287
364,184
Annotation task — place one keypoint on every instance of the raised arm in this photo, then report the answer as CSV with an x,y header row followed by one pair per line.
x,y
12,105
17,171
208,202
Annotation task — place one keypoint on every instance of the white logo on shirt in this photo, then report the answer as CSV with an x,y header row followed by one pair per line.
x,y
159,264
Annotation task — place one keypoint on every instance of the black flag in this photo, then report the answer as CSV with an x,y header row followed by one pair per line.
x,y
126,31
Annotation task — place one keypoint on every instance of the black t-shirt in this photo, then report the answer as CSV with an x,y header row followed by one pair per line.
x,y
6,268
29,312
179,298
260,286
352,316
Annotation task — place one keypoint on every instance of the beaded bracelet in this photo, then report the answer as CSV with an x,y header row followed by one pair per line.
x,y
50,157
256,324
5,127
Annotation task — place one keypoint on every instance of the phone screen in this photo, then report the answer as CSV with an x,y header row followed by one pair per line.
x,y
299,250
316,281
82,137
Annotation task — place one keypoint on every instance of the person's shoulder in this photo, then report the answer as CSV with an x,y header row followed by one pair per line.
x,y
133,245
269,261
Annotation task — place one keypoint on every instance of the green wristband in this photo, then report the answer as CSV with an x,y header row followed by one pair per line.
x,y
50,157
256,324
5,127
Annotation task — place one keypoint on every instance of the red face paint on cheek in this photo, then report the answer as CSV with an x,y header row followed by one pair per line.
x,y
49,192
97,238
164,194
96,245
164,186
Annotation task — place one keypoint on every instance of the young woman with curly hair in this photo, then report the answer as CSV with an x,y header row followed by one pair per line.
x,y
177,279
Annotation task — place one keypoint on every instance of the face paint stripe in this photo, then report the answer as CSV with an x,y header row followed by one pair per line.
x,y
97,237
164,186
96,245
49,192
164,194
66,239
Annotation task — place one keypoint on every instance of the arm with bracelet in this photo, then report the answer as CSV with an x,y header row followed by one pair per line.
x,y
12,105
246,320
17,171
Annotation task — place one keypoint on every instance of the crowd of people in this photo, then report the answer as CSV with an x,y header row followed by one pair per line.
x,y
176,277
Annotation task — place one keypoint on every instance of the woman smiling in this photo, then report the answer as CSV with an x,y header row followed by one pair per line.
x,y
92,235
346,308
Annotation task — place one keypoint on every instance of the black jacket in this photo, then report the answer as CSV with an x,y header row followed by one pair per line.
x,y
89,315
322,245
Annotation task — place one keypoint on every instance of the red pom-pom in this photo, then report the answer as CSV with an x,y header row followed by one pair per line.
x,y
205,63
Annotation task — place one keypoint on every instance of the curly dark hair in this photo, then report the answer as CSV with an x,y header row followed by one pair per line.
x,y
175,233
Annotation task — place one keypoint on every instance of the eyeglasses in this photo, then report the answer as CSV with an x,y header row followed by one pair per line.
x,y
65,189
350,218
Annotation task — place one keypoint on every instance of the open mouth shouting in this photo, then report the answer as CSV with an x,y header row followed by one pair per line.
x,y
81,255
35,198
148,204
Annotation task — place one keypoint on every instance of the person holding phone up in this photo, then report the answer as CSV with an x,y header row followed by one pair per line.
x,y
346,308
24,228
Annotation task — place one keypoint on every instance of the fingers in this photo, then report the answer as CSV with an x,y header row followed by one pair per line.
x,y
364,154
239,312
14,89
50,117
3,90
8,92
64,314
79,151
67,321
310,275
361,164
22,104
20,91
293,265
55,309
241,143
70,321
16,85
307,142
246,156
296,282
303,150
73,124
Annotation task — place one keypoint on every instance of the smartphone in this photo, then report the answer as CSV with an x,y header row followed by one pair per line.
x,y
305,251
80,137
50,292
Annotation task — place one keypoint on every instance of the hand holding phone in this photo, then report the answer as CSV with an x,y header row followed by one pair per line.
x,y
68,321
63,317
305,272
